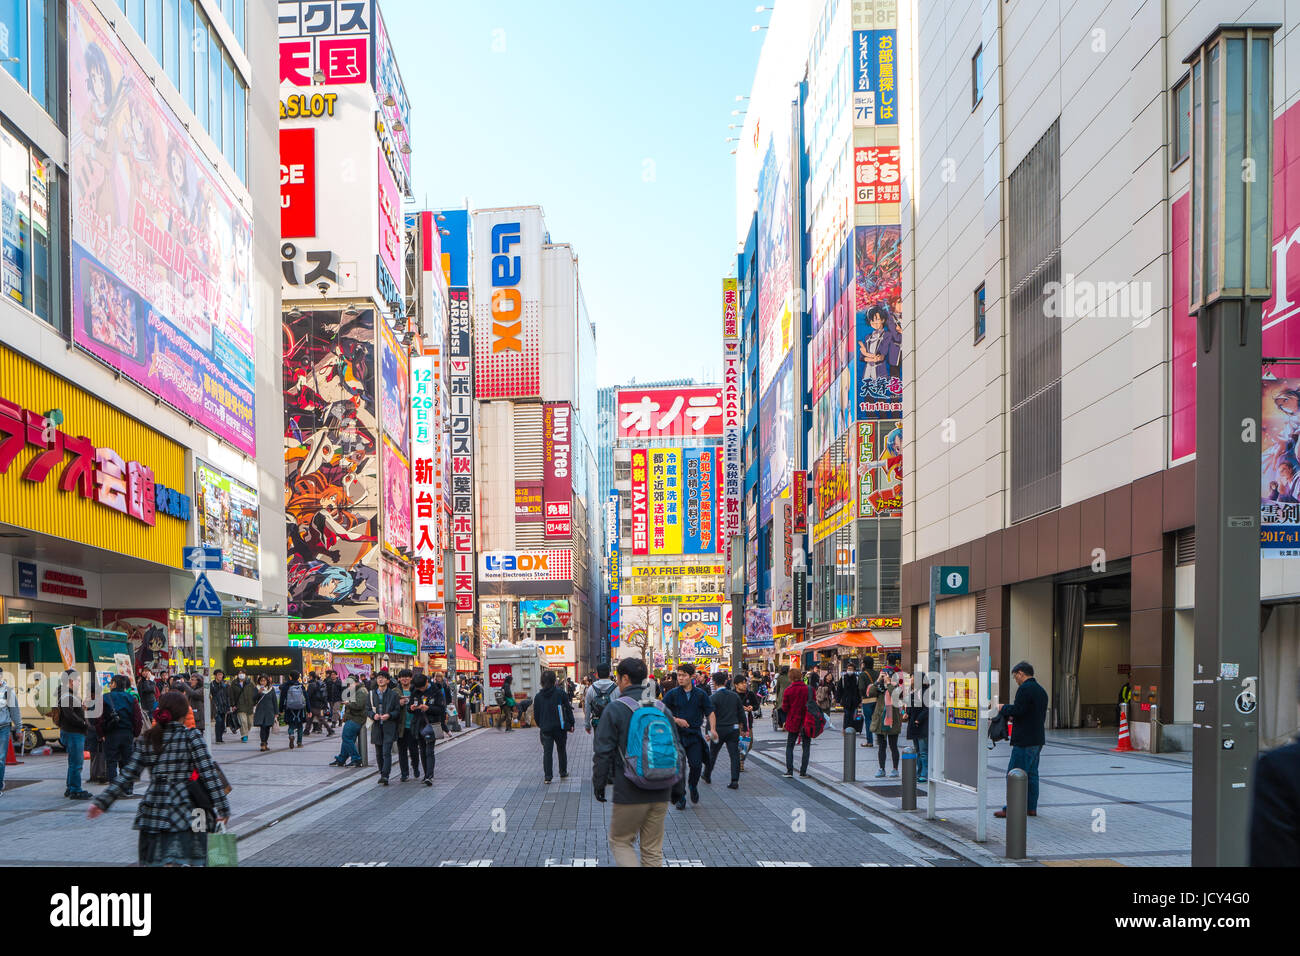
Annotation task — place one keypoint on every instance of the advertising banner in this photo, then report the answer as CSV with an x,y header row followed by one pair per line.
x,y
331,464
615,570
758,627
640,502
699,632
877,175
297,183
879,326
701,501
497,674
730,310
397,499
1280,471
776,437
228,518
161,251
677,571
426,475
394,400
665,500
555,564
548,613
799,498
832,490
460,414
433,634
313,38
670,413
528,502
653,599
875,88
775,320
732,439
557,469
507,303
394,589
391,228
387,81
256,661
880,469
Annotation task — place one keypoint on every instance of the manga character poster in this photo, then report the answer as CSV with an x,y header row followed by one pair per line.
x,y
880,469
161,251
776,438
878,338
331,467
394,383
1280,469
397,499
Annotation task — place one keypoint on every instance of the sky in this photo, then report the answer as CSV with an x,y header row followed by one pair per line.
x,y
613,117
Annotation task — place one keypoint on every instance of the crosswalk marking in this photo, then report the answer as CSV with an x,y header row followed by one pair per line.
x,y
782,863
683,862
466,863
576,861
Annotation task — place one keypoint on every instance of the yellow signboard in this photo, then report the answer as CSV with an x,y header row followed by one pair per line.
x,y
680,571
962,704
670,598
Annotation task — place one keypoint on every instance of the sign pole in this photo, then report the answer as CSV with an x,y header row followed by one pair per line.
x,y
934,741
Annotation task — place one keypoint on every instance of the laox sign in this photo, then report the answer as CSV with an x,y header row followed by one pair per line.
x,y
507,303
523,562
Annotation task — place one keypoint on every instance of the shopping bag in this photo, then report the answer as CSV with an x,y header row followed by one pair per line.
x,y
223,847
746,742
99,767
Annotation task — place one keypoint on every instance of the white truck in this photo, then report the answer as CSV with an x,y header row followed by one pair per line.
x,y
524,661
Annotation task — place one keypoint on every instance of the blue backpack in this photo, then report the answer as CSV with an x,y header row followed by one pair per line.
x,y
652,758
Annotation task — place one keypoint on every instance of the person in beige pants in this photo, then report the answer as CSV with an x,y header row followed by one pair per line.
x,y
637,815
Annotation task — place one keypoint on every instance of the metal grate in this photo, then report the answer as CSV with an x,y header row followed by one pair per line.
x,y
981,612
1035,229
1185,547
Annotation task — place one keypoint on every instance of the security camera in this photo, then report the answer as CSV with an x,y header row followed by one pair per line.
x,y
323,286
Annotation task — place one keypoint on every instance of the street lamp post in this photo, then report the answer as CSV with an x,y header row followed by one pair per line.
x,y
1231,258
737,590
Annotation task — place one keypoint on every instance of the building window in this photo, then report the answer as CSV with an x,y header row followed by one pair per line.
x,y
200,48
185,47
228,109
241,120
214,86
153,34
31,207
977,77
31,52
171,39
1182,132
135,13
979,314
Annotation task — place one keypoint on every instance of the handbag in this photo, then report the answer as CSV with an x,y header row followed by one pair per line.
x,y
223,847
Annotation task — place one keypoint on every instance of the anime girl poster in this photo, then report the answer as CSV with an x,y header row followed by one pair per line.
x,y
394,379
397,499
878,326
1280,468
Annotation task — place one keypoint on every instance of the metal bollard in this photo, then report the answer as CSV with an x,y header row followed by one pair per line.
x,y
909,781
850,756
1017,808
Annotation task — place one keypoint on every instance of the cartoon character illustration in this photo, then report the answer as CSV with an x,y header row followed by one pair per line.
x,y
881,352
317,588
94,148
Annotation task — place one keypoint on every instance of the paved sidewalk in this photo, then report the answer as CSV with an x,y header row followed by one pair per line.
x,y
39,827
1095,806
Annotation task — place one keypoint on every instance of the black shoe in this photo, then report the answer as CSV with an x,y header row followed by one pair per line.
x,y
803,773
290,743
383,781
428,781
681,804
788,773
336,762
80,795
707,779
733,786
564,776
353,766
695,795
404,779
67,792
547,780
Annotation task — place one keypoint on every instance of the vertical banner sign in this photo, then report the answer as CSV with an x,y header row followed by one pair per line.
x,y
800,600
640,504
799,495
298,183
700,496
732,436
666,501
691,530
614,569
426,491
461,413
507,303
557,474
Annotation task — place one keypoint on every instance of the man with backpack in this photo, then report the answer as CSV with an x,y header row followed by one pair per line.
x,y
690,706
637,749
119,722
599,696
729,718
293,704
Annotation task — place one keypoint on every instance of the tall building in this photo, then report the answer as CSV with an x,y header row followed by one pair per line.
x,y
1052,386
345,117
540,516
139,324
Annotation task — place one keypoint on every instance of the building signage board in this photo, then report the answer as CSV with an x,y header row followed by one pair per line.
x,y
228,519
330,37
545,613
665,487
669,413
832,490
652,599
677,571
426,476
557,469
507,303
799,498
460,413
879,469
298,182
555,564
732,440
640,502
700,472
877,174
528,502
167,304
758,627
615,571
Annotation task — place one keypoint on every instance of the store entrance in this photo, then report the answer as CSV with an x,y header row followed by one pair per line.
x,y
1091,653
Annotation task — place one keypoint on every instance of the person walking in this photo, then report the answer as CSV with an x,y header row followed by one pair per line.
x,y
1275,806
865,680
220,695
265,711
600,694
148,692
752,710
690,705
1028,714
429,702
887,717
354,721
729,717
385,709
333,697
408,751
243,701
794,705
638,813
11,723
318,706
172,753
119,722
850,698
294,706
553,714
918,729
194,692
506,701
70,717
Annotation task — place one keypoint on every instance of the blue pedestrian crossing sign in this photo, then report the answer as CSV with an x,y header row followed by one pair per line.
x,y
203,600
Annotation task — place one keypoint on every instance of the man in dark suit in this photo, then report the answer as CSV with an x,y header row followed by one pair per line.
x,y
1275,813
850,697
388,713
1028,713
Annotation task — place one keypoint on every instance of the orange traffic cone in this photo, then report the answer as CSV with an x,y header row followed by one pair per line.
x,y
1123,746
10,759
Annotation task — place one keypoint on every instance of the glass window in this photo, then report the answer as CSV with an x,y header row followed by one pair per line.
x,y
154,29
15,197
31,244
977,77
1182,132
214,86
170,39
979,314
238,25
13,39
135,13
228,109
201,68
241,158
185,47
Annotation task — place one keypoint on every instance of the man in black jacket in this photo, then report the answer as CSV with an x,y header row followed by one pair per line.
x,y
387,713
729,717
553,715
1275,814
219,691
638,814
850,697
1028,713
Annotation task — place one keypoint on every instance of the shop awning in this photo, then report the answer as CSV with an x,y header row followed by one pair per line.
x,y
465,661
844,639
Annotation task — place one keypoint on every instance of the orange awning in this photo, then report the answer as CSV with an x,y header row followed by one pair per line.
x,y
845,639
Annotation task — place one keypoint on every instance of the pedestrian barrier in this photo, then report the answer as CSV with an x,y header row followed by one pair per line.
x,y
1017,813
1123,746
850,756
909,781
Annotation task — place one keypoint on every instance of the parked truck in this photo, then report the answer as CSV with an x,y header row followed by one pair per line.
x,y
524,661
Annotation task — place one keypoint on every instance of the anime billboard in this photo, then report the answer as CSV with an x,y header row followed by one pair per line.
x,y
880,469
331,470
161,251
397,499
1280,469
394,378
776,439
878,385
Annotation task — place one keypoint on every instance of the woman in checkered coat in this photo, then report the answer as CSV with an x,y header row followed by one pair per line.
x,y
173,832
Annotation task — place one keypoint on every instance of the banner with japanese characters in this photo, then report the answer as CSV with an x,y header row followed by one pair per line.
x,y
665,500
669,413
557,475
426,475
732,423
640,502
880,469
615,571
1280,471
460,379
700,498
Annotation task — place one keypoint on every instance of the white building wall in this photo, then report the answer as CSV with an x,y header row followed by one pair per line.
x,y
559,323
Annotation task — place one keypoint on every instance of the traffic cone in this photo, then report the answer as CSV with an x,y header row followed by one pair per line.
x,y
10,758
1123,746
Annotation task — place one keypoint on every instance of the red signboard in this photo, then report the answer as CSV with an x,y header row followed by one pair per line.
x,y
557,469
528,502
876,174
640,509
799,493
297,183
497,674
669,412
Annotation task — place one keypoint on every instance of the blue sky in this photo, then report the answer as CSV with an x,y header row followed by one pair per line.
x,y
613,117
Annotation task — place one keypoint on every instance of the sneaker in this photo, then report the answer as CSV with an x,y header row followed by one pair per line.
x,y
803,773
894,772
733,786
547,780
67,792
695,795
336,762
383,781
243,740
404,779
681,804
80,795
920,780
354,765
880,772
707,779
428,781
788,773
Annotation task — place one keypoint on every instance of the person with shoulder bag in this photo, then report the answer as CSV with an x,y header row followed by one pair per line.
x,y
293,704
553,714
887,717
865,681
386,711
